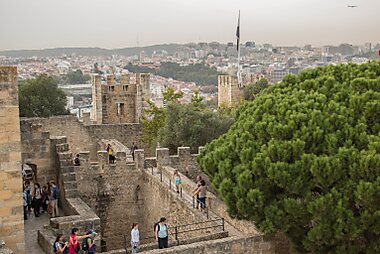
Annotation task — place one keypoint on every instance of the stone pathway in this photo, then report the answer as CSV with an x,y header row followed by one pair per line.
x,y
32,225
232,231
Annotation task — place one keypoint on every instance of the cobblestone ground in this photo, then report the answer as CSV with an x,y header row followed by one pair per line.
x,y
32,225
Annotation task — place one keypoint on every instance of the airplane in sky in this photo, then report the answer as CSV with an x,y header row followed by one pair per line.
x,y
352,6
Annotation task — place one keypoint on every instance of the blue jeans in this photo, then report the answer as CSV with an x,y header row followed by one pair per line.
x,y
135,247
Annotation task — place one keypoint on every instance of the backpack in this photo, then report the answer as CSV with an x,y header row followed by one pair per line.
x,y
85,243
55,248
55,193
155,226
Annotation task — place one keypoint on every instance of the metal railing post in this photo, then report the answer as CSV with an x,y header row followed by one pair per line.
x,y
206,210
181,192
193,202
176,233
161,175
223,224
152,170
170,184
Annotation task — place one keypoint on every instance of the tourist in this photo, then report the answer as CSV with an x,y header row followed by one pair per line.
x,y
111,157
199,178
48,197
25,203
54,197
162,234
45,198
201,191
133,149
37,199
28,189
90,242
77,160
177,180
135,238
60,247
74,244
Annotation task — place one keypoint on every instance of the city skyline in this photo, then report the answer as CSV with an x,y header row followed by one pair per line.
x,y
121,24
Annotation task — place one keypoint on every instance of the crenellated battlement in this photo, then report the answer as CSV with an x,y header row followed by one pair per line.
x,y
119,99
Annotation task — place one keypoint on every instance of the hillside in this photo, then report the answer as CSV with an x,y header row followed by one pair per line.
x,y
198,73
56,52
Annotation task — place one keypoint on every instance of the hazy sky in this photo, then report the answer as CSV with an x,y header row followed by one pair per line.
x,y
29,24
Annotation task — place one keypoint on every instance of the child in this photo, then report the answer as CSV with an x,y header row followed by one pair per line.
x,y
177,180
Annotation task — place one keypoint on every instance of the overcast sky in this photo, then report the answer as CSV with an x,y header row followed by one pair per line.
x,y
33,24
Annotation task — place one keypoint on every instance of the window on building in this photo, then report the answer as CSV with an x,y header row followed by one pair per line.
x,y
104,99
111,88
125,88
120,109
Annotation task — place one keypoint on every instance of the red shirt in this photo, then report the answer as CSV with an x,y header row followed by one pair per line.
x,y
73,244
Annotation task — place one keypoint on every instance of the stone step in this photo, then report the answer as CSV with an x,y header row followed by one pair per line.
x,y
65,156
62,148
70,185
67,169
71,176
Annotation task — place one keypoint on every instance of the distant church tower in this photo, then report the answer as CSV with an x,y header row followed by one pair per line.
x,y
119,101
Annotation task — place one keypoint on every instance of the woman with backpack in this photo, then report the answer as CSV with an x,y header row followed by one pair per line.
x,y
59,246
135,238
162,234
74,243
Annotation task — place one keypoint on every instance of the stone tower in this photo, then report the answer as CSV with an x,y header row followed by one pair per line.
x,y
121,100
229,93
11,202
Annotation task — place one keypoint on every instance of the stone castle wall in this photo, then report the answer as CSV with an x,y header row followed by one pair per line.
x,y
80,137
11,202
121,195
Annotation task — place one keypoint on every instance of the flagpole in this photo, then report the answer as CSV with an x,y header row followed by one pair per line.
x,y
238,48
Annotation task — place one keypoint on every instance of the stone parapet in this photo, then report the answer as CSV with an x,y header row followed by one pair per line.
x,y
162,156
229,245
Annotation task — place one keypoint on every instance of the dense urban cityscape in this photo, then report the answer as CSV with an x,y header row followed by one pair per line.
x,y
258,61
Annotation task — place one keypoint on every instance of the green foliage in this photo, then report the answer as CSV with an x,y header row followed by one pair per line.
x,y
154,118
74,77
304,158
40,97
192,125
172,96
197,101
251,90
198,73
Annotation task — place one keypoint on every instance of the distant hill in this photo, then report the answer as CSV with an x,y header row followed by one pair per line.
x,y
56,52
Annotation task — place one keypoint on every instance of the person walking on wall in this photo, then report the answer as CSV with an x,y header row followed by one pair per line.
x,y
202,192
177,180
162,234
199,179
111,158
37,199
74,243
135,238
133,149
54,196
